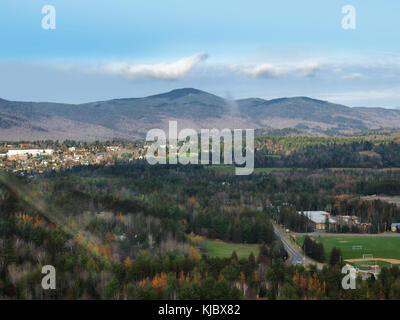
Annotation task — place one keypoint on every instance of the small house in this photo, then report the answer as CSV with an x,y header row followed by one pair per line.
x,y
395,227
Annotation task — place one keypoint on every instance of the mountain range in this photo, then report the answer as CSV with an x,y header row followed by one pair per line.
x,y
131,118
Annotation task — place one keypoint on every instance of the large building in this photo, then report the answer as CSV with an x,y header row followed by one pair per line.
x,y
30,152
319,218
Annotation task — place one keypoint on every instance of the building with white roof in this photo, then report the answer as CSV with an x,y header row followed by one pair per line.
x,y
318,218
31,152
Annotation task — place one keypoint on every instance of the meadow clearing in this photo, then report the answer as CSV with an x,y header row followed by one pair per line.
x,y
218,248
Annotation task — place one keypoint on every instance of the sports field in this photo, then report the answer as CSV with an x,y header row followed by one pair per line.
x,y
364,264
357,247
216,248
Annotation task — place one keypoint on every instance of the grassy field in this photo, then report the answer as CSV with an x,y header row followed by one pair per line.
x,y
216,248
379,247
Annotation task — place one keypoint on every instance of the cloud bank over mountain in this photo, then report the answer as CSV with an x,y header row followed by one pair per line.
x,y
165,71
350,80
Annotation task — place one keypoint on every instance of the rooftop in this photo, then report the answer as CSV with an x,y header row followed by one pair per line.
x,y
317,216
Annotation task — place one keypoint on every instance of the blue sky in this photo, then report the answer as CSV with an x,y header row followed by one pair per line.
x,y
111,49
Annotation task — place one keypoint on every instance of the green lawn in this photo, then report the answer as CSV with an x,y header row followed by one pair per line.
x,y
379,247
222,249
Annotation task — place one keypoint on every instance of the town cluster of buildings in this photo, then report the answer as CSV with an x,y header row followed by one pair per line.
x,y
320,220
28,159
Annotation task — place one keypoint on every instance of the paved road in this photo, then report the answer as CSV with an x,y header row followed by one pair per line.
x,y
295,254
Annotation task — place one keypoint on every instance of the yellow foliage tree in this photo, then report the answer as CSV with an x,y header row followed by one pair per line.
x,y
127,262
181,278
314,283
194,254
78,238
121,217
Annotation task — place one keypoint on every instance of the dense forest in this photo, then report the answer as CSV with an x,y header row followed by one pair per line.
x,y
316,153
131,230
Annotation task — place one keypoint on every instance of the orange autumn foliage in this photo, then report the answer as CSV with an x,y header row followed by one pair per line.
x,y
159,281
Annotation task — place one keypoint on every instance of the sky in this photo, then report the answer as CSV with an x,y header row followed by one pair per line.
x,y
236,49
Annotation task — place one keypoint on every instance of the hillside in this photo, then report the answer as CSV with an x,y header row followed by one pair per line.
x,y
133,117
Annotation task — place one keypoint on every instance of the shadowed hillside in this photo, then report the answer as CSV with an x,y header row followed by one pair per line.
x,y
132,118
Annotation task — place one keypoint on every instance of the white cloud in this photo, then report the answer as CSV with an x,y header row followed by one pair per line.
x,y
267,70
163,70
307,69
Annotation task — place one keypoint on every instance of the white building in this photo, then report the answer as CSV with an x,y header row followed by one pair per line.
x,y
318,218
31,152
